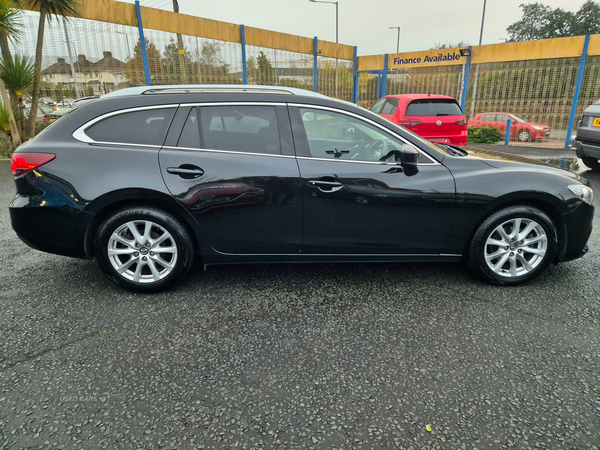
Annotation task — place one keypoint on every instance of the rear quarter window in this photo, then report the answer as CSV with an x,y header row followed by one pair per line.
x,y
433,107
144,127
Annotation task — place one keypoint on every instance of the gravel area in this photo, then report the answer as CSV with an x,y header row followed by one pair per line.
x,y
320,356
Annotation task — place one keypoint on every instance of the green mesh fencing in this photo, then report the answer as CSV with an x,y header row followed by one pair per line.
x,y
536,91
335,77
271,67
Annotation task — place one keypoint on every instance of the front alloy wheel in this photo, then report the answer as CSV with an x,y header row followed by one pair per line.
x,y
524,135
144,248
512,245
516,247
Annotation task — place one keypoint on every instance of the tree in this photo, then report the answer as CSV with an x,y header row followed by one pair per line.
x,y
588,18
10,27
263,70
48,8
134,67
177,67
542,22
18,75
533,21
448,44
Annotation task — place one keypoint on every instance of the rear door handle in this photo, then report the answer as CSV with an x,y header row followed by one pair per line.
x,y
186,171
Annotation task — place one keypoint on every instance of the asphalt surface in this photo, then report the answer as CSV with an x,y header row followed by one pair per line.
x,y
323,356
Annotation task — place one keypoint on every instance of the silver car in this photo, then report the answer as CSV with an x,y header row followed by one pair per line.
x,y
587,141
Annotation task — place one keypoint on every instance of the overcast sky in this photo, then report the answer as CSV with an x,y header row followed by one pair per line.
x,y
365,23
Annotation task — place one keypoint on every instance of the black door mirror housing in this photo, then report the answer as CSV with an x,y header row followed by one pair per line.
x,y
409,158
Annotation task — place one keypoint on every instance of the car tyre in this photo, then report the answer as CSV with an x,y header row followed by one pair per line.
x,y
144,248
524,136
592,163
512,245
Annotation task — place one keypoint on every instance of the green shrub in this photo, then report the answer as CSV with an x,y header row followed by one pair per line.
x,y
484,135
6,146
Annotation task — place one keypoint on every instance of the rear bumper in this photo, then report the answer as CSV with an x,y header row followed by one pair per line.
x,y
588,149
578,224
54,228
451,140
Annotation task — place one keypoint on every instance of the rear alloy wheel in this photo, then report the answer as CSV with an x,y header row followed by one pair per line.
x,y
524,136
592,163
144,249
513,245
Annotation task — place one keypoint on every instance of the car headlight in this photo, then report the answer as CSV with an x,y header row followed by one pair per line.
x,y
585,193
537,128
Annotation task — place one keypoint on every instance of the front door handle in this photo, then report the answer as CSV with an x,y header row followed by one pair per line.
x,y
186,171
326,186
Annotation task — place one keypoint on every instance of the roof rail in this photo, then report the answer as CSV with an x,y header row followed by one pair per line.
x,y
209,88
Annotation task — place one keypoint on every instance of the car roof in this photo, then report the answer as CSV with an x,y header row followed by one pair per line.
x,y
211,88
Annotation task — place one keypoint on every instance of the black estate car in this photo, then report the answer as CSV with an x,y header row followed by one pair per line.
x,y
148,178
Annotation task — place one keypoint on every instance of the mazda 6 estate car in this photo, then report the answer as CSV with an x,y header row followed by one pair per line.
x,y
437,118
148,179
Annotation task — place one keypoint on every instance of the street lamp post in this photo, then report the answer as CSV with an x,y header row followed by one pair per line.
x,y
127,39
398,43
477,65
336,39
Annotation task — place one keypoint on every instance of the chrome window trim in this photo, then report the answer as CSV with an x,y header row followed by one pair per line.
x,y
80,135
379,163
233,152
356,116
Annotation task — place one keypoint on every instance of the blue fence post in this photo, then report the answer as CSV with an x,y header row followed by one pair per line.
x,y
142,42
243,42
463,100
384,77
316,69
355,78
507,137
577,89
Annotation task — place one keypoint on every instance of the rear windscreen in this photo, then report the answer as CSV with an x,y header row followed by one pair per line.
x,y
433,107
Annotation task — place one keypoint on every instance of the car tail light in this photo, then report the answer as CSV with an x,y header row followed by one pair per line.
x,y
410,122
44,118
21,163
462,122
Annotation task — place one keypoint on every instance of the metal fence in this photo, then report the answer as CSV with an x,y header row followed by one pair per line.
x,y
542,82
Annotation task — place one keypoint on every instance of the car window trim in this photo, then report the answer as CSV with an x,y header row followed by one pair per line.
x,y
80,135
357,116
234,152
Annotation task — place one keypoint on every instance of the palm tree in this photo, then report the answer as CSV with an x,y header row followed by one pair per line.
x,y
47,8
10,27
18,75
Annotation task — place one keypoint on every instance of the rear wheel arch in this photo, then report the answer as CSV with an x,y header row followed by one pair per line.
x,y
106,205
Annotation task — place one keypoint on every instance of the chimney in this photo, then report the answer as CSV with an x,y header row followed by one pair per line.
x,y
81,57
61,60
107,54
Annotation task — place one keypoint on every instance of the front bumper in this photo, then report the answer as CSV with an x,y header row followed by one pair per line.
x,y
587,149
578,228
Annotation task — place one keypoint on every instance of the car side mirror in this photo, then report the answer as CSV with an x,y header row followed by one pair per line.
x,y
409,158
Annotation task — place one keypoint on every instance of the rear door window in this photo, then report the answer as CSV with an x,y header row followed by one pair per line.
x,y
433,107
249,129
144,127
376,108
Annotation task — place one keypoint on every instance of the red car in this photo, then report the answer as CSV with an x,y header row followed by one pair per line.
x,y
437,118
519,129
